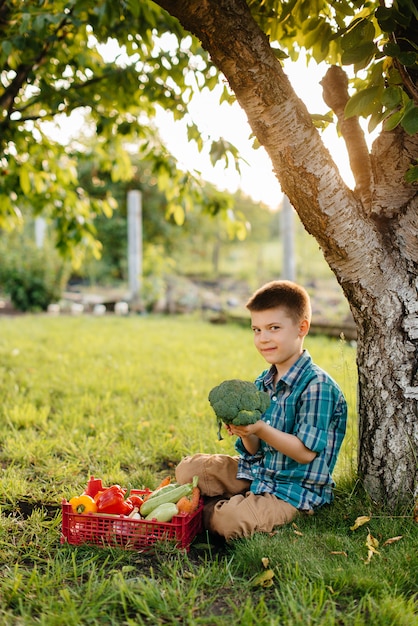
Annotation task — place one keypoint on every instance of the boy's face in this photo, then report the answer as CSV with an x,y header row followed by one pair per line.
x,y
277,337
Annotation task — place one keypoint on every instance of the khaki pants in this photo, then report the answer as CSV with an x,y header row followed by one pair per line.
x,y
234,511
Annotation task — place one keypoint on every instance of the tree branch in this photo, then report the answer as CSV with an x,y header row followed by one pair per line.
x,y
407,80
335,94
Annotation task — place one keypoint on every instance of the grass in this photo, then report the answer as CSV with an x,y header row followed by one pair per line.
x,y
125,399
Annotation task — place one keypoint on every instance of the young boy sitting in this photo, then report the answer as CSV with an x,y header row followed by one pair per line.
x,y
287,457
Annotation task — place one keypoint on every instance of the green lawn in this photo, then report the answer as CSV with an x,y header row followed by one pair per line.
x,y
125,399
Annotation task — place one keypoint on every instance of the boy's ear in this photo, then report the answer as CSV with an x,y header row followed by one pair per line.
x,y
304,328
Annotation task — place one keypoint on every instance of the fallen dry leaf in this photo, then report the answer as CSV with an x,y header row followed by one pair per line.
x,y
392,540
371,542
265,579
372,545
369,557
339,552
363,519
265,561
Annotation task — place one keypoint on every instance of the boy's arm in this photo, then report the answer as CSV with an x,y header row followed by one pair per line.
x,y
287,444
251,442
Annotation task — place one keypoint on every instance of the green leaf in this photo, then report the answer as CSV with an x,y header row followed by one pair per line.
x,y
410,121
177,212
134,6
385,19
411,175
38,182
345,9
194,134
363,102
7,47
218,151
24,180
280,54
374,121
408,58
392,121
391,49
392,97
362,32
287,9
228,96
394,77
361,54
390,18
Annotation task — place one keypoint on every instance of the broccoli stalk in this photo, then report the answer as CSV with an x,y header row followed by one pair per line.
x,y
238,402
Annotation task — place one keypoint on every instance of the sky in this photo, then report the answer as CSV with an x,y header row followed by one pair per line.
x,y
214,120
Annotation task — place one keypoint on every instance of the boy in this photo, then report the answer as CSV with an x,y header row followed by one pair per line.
x,y
286,458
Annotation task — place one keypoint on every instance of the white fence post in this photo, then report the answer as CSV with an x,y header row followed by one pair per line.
x,y
289,265
135,246
40,231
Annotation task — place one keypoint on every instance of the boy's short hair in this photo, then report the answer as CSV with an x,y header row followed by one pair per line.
x,y
284,293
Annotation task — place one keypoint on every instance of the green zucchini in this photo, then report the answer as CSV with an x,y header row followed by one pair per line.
x,y
163,513
161,490
173,495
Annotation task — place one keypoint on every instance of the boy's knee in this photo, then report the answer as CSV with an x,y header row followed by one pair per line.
x,y
244,515
227,520
189,467
216,473
183,470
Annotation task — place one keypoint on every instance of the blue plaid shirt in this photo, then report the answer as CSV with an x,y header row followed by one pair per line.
x,y
308,403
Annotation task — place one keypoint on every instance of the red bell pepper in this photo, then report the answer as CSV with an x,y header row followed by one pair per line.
x,y
94,485
112,500
136,500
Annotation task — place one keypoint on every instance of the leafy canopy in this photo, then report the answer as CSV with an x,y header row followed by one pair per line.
x,y
52,64
378,42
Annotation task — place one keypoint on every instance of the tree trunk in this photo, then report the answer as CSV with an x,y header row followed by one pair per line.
x,y
371,249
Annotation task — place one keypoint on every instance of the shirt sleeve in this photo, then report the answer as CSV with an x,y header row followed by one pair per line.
x,y
241,449
315,414
245,461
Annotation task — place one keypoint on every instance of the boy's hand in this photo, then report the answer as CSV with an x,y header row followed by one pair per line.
x,y
248,435
244,431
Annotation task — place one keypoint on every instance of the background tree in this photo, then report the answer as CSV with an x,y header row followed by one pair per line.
x,y
197,235
51,66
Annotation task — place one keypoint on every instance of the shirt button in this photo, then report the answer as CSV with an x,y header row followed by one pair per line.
x,y
268,422
274,398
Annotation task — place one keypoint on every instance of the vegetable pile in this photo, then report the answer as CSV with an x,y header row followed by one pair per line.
x,y
238,402
169,500
161,504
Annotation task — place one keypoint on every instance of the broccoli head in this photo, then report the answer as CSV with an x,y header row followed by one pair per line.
x,y
238,402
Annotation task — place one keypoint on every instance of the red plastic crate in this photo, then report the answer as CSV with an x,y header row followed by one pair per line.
x,y
124,532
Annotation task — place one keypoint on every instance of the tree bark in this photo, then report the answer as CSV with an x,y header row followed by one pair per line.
x,y
373,253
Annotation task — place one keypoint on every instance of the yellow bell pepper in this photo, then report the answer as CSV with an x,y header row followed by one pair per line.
x,y
83,504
